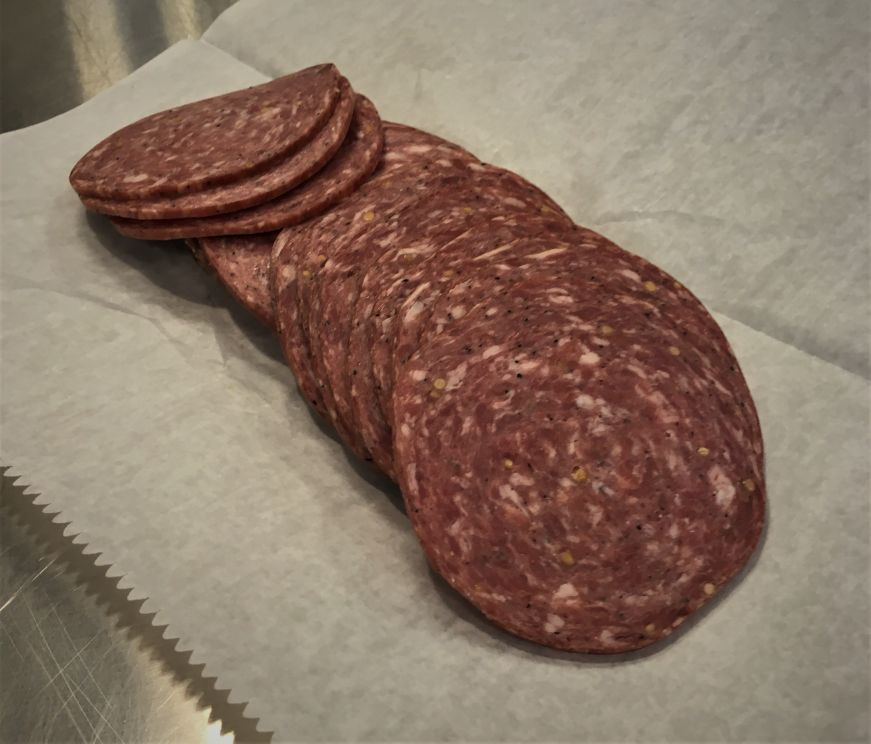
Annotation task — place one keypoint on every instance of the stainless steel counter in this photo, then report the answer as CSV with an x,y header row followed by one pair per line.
x,y
58,53
67,671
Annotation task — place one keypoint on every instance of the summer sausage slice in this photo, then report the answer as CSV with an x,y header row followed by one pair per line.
x,y
580,455
241,264
246,191
451,213
404,148
210,142
491,249
339,246
352,164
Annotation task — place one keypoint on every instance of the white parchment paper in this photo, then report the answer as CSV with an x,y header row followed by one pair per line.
x,y
160,419
726,141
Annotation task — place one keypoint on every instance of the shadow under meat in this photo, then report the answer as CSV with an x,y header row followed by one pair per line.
x,y
171,266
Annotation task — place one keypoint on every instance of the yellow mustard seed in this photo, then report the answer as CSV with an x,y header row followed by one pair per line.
x,y
508,463
579,474
749,484
567,558
368,216
703,451
606,330
440,383
650,628
709,588
650,286
674,351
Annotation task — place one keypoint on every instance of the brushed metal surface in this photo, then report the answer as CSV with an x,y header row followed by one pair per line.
x,y
67,673
54,54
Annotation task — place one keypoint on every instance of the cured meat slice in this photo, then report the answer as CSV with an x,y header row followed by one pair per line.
x,y
580,455
352,164
241,263
371,347
399,338
463,215
210,142
404,148
249,190
335,276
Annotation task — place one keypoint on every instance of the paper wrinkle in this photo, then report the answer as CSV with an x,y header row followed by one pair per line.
x,y
289,567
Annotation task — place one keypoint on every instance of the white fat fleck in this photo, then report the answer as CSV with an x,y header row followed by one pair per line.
x,y
554,623
287,272
585,402
630,274
458,311
491,253
596,513
518,479
664,412
527,366
509,494
418,375
724,489
418,149
636,370
411,478
511,201
136,179
566,591
491,351
560,299
675,463
456,375
673,531
415,250
415,310
467,425
491,312
606,637
547,254
590,358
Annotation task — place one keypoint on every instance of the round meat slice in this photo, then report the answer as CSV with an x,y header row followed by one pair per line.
x,y
241,263
247,191
378,224
509,240
449,214
210,142
351,165
493,249
580,455
291,286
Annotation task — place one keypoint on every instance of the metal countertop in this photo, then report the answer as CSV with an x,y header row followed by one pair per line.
x,y
67,672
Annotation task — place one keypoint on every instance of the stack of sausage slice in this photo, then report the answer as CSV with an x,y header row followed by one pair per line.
x,y
577,448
